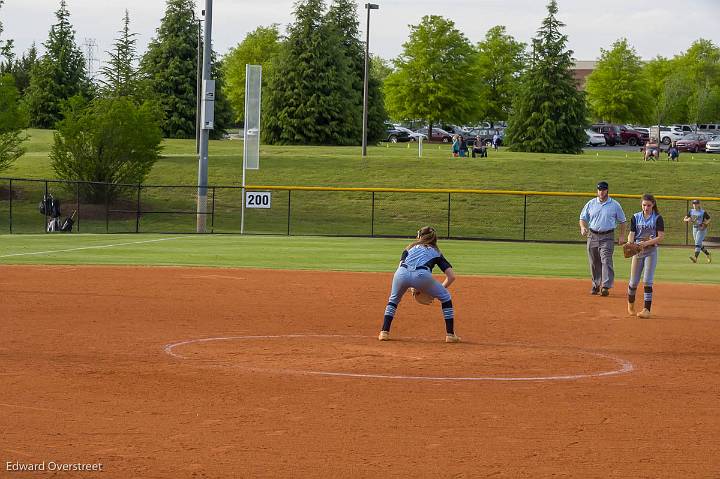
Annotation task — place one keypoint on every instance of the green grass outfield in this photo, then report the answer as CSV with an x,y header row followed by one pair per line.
x,y
333,254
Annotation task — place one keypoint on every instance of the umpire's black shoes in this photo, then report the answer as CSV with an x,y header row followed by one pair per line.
x,y
604,292
595,290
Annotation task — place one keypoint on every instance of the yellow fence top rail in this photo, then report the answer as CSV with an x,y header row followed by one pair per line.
x,y
484,192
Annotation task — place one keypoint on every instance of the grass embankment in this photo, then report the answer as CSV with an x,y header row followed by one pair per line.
x,y
396,165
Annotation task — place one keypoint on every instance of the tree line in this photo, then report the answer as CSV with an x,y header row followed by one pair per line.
x,y
313,87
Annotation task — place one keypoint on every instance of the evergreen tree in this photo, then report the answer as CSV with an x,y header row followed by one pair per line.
x,y
170,70
616,90
549,114
311,91
170,65
342,16
260,47
120,74
22,69
434,78
58,76
224,113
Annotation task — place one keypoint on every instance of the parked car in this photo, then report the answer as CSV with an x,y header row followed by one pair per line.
x,y
414,136
693,142
611,133
594,138
713,146
438,134
394,134
686,128
633,137
486,135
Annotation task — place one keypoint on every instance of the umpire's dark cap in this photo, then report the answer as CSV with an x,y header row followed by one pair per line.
x,y
602,185
696,202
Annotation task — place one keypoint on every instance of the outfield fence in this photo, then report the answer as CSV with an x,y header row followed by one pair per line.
x,y
301,210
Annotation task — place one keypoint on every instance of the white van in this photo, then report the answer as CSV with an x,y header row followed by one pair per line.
x,y
710,127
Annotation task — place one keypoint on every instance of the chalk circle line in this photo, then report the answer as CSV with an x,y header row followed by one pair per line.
x,y
623,366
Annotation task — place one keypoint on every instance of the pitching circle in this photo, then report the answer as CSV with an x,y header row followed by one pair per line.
x,y
623,366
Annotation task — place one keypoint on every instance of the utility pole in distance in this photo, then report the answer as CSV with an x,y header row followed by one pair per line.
x,y
368,7
207,121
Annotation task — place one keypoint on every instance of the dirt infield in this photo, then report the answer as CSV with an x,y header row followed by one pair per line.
x,y
174,372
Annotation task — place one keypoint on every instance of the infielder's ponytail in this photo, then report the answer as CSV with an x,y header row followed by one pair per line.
x,y
426,236
649,197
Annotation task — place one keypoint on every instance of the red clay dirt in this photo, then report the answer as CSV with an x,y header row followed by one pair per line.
x,y
118,366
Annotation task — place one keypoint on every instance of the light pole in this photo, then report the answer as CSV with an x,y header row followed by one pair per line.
x,y
368,7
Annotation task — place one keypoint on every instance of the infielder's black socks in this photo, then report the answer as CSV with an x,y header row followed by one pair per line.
x,y
631,294
389,315
449,316
697,253
450,326
704,250
648,297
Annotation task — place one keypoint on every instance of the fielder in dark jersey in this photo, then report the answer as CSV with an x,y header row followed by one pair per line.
x,y
647,229
699,219
415,271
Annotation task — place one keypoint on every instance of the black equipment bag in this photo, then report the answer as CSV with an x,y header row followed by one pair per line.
x,y
49,206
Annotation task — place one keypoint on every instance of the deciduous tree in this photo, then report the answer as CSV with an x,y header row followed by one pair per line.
x,y
500,61
433,78
12,121
260,47
109,140
616,90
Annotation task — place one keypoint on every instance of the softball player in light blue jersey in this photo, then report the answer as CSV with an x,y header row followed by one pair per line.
x,y
700,220
415,271
647,228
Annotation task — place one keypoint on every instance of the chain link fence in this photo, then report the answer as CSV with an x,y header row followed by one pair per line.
x,y
380,212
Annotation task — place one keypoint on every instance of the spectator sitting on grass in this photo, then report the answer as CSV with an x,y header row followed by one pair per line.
x,y
652,150
479,148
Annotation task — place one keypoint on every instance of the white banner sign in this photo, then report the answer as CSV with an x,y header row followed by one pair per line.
x,y
258,199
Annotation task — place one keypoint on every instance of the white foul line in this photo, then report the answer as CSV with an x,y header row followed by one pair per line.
x,y
625,365
89,247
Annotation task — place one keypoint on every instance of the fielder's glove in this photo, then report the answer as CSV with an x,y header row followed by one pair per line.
x,y
421,297
631,249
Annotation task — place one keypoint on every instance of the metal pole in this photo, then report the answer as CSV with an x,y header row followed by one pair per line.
x,y
368,7
198,77
204,132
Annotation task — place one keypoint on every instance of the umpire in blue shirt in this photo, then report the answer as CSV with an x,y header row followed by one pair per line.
x,y
598,220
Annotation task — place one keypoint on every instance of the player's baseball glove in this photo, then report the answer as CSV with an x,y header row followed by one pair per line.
x,y
631,249
421,297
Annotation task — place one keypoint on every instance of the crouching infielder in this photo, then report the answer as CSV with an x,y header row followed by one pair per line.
x,y
647,229
415,271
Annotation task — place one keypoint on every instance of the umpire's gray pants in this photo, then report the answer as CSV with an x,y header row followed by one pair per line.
x,y
600,256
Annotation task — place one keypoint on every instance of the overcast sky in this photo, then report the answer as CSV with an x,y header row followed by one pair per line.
x,y
653,27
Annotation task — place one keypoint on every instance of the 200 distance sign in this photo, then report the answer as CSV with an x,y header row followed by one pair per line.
x,y
258,199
